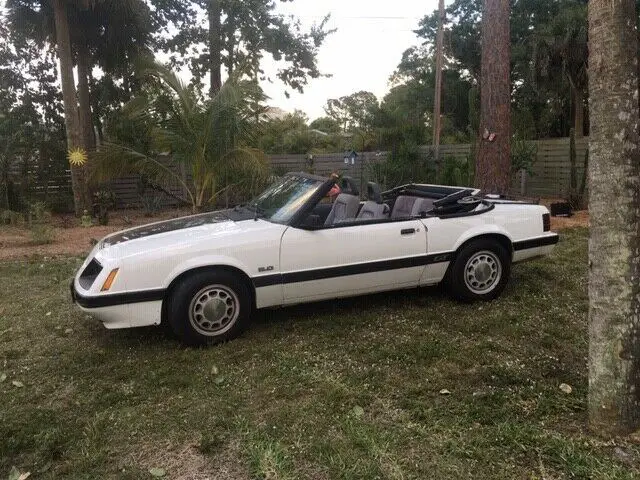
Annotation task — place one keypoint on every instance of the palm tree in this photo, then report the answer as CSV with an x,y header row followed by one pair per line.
x,y
614,258
107,33
207,139
560,51
79,185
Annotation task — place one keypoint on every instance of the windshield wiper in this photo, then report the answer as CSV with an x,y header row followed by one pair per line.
x,y
259,211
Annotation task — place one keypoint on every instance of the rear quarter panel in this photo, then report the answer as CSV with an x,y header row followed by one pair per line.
x,y
516,222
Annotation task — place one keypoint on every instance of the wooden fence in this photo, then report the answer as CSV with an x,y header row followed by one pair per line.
x,y
550,175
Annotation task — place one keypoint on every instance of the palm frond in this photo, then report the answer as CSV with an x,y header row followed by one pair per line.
x,y
116,161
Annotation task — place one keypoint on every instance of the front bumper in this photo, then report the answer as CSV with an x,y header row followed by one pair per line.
x,y
122,310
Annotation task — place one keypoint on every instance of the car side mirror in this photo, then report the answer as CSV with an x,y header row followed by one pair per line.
x,y
312,222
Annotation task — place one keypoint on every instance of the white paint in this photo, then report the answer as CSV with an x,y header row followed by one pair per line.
x,y
153,262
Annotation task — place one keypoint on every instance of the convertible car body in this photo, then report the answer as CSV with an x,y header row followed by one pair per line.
x,y
205,274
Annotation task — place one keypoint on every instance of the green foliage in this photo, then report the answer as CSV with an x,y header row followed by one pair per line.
x,y
209,139
150,196
353,112
12,218
288,135
103,201
326,124
548,59
250,29
38,218
456,172
407,164
523,154
38,214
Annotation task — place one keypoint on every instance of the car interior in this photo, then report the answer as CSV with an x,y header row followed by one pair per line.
x,y
408,201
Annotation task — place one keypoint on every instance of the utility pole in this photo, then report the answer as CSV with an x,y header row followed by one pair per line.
x,y
437,121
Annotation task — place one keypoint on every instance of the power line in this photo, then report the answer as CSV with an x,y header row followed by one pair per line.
x,y
356,17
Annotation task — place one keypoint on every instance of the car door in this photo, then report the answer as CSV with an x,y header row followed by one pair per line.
x,y
350,260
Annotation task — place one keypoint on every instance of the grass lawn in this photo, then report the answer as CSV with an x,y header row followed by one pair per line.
x,y
346,389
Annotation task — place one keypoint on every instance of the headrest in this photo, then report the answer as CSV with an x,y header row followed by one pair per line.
x,y
348,186
373,192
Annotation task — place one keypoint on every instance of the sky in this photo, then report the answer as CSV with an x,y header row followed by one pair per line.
x,y
361,55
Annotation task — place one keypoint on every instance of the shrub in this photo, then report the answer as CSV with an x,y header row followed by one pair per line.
x,y
39,217
9,217
42,234
103,200
150,196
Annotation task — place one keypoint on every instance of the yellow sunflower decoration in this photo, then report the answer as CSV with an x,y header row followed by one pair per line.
x,y
77,157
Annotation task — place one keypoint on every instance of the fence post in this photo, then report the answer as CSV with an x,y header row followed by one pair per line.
x,y
523,182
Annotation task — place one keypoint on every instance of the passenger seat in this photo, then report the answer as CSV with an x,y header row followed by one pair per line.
x,y
373,208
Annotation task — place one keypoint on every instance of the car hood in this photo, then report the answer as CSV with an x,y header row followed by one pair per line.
x,y
182,223
194,233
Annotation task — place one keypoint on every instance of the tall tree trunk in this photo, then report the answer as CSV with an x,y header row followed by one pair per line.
x,y
614,243
86,117
493,162
71,118
95,111
215,47
437,119
577,107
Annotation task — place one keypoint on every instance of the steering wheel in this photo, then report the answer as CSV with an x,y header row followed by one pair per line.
x,y
452,198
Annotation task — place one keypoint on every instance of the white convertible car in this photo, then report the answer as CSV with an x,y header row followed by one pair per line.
x,y
205,274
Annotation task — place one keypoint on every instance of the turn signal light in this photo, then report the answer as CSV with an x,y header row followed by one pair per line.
x,y
109,281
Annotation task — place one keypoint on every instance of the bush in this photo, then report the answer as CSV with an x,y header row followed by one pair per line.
x,y
103,201
39,217
407,164
150,196
9,217
455,172
42,234
38,214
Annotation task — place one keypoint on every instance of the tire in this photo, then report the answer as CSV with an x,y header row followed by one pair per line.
x,y
209,307
480,271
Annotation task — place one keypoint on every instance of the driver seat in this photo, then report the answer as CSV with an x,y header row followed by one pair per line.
x,y
344,208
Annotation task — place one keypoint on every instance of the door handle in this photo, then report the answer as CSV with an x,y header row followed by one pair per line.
x,y
407,231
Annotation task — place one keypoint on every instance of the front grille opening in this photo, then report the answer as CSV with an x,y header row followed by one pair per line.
x,y
89,274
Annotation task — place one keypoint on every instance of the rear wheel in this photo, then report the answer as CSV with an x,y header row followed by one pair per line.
x,y
209,307
480,271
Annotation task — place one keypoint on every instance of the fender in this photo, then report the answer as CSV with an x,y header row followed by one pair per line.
x,y
480,230
205,261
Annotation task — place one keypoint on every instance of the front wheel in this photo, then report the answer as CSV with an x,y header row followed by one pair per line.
x,y
209,307
480,271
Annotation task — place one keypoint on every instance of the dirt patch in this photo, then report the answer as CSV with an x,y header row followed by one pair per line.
x,y
187,463
72,239
578,219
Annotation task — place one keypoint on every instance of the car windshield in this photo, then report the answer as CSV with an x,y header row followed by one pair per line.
x,y
283,199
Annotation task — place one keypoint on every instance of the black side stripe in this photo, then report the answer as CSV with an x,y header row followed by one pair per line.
x,y
535,242
302,276
356,269
117,298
